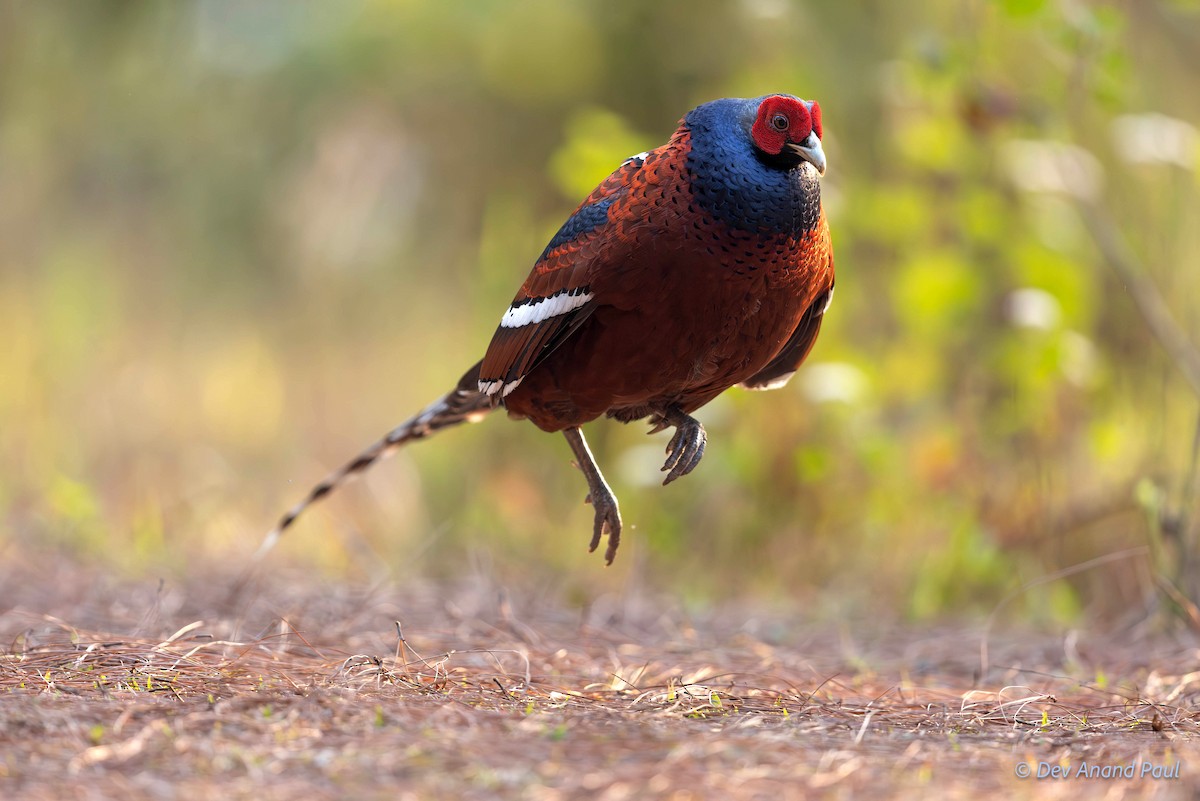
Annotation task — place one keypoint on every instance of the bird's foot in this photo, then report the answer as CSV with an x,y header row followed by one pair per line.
x,y
686,448
608,516
608,519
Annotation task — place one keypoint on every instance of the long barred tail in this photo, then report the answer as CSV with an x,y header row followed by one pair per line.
x,y
464,404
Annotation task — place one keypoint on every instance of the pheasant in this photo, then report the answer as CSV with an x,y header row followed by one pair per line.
x,y
702,264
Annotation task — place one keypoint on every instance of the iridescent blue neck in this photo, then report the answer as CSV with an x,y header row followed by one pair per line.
x,y
740,186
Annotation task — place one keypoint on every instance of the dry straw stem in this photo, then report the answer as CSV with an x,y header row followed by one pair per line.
x,y
1145,295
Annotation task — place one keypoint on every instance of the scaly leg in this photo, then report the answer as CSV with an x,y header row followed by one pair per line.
x,y
686,448
608,516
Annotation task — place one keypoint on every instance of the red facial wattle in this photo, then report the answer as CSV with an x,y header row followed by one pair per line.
x,y
789,124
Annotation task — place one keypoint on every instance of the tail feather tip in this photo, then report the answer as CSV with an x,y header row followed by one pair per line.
x,y
269,542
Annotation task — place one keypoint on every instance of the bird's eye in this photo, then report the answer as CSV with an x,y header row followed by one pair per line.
x,y
779,122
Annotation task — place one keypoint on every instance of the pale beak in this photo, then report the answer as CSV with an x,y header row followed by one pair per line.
x,y
810,150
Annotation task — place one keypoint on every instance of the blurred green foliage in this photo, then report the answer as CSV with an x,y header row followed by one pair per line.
x,y
240,239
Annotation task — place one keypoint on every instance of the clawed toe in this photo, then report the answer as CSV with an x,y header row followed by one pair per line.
x,y
685,449
607,520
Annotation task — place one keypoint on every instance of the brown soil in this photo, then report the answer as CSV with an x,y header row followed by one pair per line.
x,y
299,689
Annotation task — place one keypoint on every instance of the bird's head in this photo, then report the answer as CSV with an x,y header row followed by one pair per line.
x,y
789,128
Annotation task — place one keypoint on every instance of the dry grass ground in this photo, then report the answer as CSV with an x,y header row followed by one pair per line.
x,y
304,690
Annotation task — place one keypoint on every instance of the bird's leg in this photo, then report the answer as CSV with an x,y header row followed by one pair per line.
x,y
608,516
686,448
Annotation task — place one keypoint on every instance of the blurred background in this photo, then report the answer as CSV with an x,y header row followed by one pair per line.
x,y
241,239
